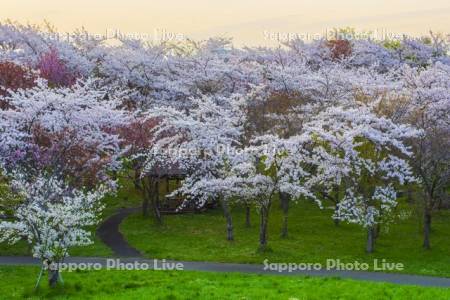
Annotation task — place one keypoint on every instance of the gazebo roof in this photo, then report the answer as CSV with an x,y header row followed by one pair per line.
x,y
165,171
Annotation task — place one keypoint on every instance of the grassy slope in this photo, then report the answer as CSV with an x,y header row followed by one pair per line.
x,y
18,282
125,197
312,238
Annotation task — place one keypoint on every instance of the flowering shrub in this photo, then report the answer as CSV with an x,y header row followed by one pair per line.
x,y
54,69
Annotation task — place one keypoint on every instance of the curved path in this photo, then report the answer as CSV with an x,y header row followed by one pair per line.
x,y
110,235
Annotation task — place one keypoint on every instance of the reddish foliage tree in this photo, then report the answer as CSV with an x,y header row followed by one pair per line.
x,y
339,48
137,134
78,159
54,69
13,77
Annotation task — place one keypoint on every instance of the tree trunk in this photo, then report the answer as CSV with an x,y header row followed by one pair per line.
x,y
263,234
426,229
229,220
53,277
370,240
377,231
336,220
284,198
336,197
409,193
145,204
247,216
146,195
156,204
137,180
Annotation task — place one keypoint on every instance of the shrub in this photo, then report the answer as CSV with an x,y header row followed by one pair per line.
x,y
55,70
340,48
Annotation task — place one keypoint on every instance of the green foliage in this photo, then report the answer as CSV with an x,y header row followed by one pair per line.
x,y
392,44
8,200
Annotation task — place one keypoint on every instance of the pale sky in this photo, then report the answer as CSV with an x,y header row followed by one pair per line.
x,y
247,21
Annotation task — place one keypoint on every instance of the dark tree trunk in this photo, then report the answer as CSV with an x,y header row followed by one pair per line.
x,y
146,198
263,229
137,180
284,198
229,220
167,186
156,204
370,240
426,229
145,204
247,216
377,231
53,277
409,193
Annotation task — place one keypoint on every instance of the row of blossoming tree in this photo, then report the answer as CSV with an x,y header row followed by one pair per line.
x,y
347,122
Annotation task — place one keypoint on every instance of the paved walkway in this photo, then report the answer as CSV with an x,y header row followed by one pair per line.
x,y
110,235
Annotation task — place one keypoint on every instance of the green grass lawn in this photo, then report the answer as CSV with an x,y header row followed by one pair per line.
x,y
313,238
18,283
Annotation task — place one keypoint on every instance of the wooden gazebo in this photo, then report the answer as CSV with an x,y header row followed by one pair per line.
x,y
168,179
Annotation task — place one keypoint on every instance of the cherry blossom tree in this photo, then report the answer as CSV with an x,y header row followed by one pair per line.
x,y
67,130
202,142
59,148
53,217
282,168
428,109
367,156
26,44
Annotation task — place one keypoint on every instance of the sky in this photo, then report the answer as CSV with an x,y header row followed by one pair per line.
x,y
249,22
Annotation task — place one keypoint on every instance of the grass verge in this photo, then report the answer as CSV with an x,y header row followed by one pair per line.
x,y
18,282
